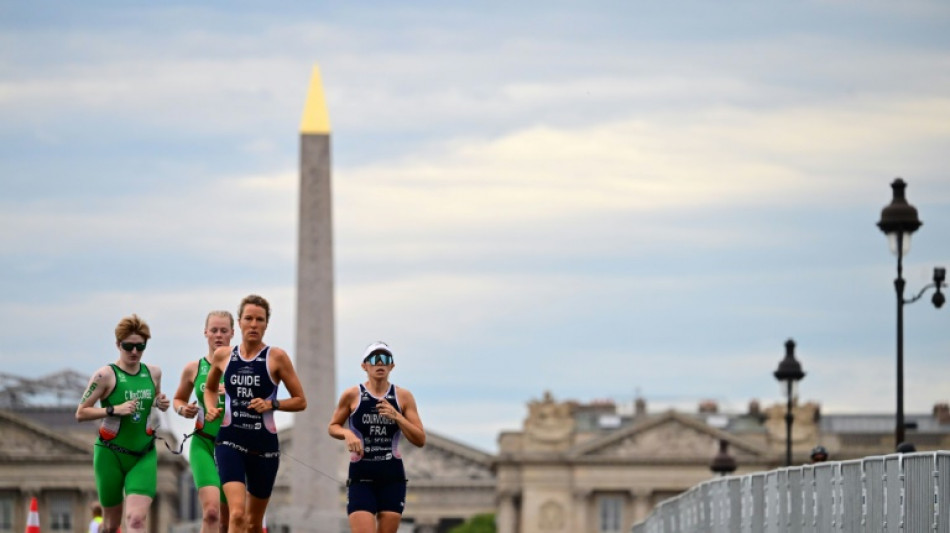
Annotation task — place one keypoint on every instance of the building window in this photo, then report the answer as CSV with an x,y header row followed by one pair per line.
x,y
610,514
60,512
6,513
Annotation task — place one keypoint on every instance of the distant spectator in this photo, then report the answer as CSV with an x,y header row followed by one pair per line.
x,y
819,454
906,447
96,518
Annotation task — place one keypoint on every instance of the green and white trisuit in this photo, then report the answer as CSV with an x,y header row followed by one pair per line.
x,y
124,457
201,453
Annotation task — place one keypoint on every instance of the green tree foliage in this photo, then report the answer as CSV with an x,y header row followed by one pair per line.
x,y
481,523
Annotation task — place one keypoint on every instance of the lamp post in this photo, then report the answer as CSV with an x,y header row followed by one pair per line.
x,y
723,463
789,372
899,221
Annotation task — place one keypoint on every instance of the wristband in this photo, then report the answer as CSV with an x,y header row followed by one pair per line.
x,y
275,403
180,407
110,410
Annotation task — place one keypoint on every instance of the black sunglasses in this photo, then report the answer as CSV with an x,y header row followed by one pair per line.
x,y
379,358
129,346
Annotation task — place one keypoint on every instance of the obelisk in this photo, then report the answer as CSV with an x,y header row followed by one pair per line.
x,y
316,497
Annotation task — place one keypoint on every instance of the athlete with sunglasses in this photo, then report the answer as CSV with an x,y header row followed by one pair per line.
x,y
124,457
371,418
219,329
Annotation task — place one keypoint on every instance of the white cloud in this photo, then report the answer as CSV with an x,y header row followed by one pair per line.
x,y
541,177
217,218
493,191
864,383
475,421
721,159
176,320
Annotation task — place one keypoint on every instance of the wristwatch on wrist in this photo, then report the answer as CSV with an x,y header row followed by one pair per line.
x,y
110,410
275,403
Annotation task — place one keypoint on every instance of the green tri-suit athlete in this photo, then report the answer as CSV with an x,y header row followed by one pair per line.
x,y
219,329
124,458
127,444
202,449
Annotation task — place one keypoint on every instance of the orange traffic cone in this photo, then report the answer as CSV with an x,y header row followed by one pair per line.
x,y
33,520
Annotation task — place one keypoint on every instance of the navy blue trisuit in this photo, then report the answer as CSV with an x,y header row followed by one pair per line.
x,y
377,480
246,449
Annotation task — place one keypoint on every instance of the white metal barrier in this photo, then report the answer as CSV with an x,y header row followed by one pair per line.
x,y
899,493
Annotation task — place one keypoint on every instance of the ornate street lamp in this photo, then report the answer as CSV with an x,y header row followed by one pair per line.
x,y
790,373
899,221
723,463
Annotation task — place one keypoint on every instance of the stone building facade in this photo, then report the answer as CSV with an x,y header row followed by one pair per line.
x,y
45,453
572,468
449,482
591,468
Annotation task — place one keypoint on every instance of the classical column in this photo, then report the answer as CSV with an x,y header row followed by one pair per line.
x,y
315,500
581,509
641,504
507,518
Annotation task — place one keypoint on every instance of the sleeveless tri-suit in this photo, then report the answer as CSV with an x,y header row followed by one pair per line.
x,y
124,457
201,452
377,479
246,449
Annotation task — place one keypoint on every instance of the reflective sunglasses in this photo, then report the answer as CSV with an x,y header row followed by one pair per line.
x,y
379,358
129,346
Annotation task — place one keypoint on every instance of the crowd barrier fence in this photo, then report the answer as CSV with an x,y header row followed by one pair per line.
x,y
897,493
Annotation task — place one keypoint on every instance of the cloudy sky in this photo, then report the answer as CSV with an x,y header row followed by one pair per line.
x,y
600,199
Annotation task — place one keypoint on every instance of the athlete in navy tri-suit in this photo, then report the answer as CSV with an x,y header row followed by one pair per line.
x,y
372,418
246,450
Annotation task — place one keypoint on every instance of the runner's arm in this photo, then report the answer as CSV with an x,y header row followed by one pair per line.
x,y
409,421
161,400
287,375
100,385
185,387
218,362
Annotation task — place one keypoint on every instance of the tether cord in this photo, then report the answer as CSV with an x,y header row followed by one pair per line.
x,y
315,469
187,436
181,447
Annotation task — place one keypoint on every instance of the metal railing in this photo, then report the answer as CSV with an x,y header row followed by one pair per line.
x,y
899,493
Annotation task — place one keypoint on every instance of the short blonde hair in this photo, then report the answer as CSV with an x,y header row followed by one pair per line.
x,y
222,314
132,325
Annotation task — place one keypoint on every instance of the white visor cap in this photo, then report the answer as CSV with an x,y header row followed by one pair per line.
x,y
376,347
